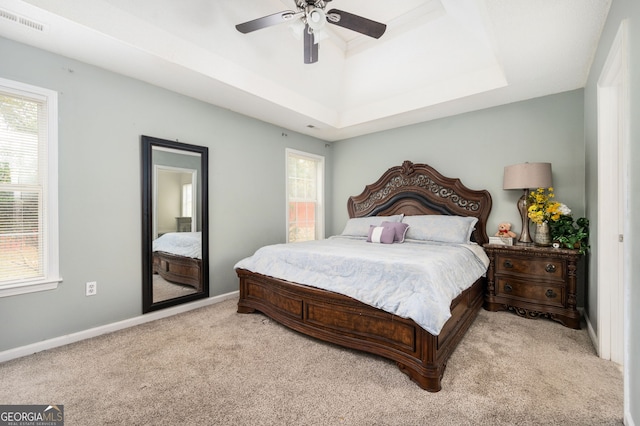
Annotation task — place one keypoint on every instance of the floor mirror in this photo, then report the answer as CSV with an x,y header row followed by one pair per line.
x,y
175,212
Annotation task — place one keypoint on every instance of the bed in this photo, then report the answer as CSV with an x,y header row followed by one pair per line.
x,y
177,257
409,190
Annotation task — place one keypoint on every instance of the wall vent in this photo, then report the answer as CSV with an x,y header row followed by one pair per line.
x,y
9,16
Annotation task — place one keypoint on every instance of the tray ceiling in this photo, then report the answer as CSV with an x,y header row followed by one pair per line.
x,y
437,57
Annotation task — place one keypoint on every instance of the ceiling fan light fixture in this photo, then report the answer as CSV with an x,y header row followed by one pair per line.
x,y
320,35
297,28
316,18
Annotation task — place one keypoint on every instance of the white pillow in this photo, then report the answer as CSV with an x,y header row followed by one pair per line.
x,y
359,226
441,228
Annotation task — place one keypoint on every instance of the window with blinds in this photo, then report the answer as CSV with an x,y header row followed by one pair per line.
x,y
305,193
187,200
28,193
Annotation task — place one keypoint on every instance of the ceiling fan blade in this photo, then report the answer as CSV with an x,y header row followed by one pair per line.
x,y
356,23
267,21
310,47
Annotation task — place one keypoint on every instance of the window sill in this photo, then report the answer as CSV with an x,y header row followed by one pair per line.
x,y
23,288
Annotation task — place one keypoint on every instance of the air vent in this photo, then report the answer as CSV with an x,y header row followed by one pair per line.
x,y
9,16
32,24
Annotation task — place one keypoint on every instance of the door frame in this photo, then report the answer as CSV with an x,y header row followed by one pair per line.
x,y
613,173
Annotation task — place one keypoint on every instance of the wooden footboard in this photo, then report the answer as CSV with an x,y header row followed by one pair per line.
x,y
178,269
347,322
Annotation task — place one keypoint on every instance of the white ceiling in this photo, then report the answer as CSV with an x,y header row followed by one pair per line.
x,y
437,57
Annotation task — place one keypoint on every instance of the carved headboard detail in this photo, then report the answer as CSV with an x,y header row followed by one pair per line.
x,y
415,189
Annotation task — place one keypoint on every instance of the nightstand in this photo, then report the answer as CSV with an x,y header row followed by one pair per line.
x,y
183,224
533,282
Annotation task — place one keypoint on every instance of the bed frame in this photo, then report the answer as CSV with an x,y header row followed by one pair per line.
x,y
178,269
411,189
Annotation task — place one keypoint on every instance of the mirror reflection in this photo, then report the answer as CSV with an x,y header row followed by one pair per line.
x,y
174,223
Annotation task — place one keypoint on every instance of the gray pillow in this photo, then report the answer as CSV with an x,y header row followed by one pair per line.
x,y
445,229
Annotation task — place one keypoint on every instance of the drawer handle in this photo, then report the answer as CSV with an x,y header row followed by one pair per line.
x,y
508,288
550,294
508,264
550,267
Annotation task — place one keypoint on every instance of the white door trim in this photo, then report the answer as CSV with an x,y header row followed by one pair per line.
x,y
612,260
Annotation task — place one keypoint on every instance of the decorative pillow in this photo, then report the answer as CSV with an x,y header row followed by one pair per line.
x,y
442,228
359,226
399,228
381,234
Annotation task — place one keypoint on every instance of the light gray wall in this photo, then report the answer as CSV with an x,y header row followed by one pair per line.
x,y
101,118
620,10
476,147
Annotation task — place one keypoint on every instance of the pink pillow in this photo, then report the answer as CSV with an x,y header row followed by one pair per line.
x,y
399,229
381,234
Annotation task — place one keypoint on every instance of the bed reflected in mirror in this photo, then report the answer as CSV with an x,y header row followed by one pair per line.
x,y
174,223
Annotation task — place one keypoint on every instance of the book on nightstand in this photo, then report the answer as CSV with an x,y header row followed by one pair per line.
x,y
503,241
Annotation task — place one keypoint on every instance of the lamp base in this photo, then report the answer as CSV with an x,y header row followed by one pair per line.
x,y
525,237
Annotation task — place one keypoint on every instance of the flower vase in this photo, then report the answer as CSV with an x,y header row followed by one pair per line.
x,y
542,236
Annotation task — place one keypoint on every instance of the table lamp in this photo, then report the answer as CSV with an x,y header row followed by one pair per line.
x,y
524,177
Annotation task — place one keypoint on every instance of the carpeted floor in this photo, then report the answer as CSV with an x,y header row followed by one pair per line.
x,y
213,366
164,290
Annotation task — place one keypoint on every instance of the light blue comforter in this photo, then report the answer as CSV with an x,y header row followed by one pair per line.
x,y
187,244
415,279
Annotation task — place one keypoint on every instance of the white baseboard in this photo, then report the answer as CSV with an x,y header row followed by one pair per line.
x,y
627,417
592,332
109,328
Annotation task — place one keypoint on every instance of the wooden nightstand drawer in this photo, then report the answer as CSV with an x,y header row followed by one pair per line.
x,y
533,282
547,268
528,292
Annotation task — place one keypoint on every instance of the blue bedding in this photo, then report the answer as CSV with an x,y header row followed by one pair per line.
x,y
415,279
187,244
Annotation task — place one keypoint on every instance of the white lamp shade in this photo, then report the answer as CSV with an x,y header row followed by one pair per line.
x,y
527,175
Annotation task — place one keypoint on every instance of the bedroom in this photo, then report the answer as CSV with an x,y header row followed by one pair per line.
x,y
99,175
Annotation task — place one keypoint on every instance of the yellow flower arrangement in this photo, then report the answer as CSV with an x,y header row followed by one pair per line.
x,y
543,207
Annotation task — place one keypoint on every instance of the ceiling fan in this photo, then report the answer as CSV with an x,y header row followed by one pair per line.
x,y
310,15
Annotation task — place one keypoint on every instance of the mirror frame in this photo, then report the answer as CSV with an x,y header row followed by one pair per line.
x,y
147,145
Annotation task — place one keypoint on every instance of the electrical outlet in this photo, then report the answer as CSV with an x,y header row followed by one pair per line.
x,y
91,288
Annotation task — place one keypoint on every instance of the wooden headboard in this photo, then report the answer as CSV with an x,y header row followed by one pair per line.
x,y
415,189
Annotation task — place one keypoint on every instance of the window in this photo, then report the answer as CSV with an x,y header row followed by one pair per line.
x,y
187,200
305,193
28,189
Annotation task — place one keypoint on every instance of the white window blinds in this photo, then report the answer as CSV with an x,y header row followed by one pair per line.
x,y
27,250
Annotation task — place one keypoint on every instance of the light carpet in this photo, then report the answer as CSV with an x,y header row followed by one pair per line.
x,y
214,366
165,290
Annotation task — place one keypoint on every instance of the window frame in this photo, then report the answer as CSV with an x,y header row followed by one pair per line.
x,y
50,232
320,176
